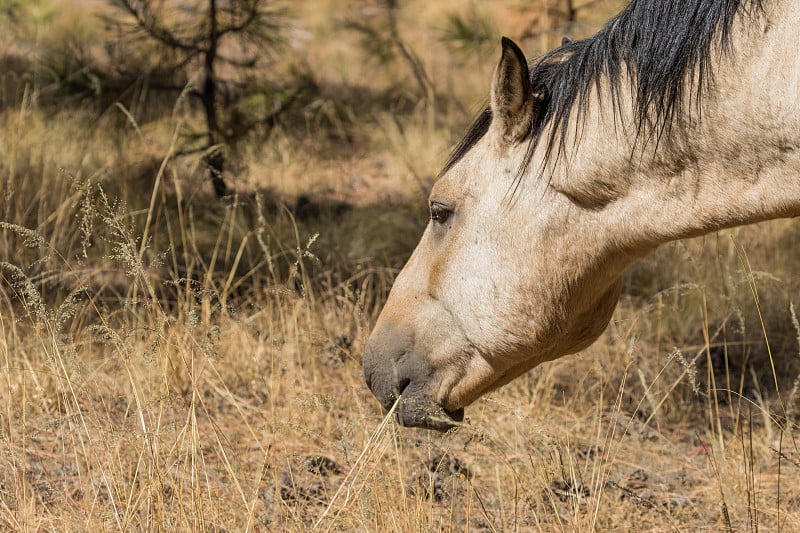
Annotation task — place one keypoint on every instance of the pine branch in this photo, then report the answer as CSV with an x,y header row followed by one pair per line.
x,y
146,21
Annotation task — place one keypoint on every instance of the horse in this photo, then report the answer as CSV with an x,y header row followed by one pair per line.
x,y
675,120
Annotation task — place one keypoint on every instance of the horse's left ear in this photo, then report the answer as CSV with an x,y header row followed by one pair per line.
x,y
511,96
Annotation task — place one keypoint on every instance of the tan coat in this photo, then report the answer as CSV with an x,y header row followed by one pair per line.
x,y
509,275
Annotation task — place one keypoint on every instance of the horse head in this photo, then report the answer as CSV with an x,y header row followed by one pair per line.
x,y
499,281
581,164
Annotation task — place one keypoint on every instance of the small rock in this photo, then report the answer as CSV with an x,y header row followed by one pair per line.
x,y
321,465
437,475
564,489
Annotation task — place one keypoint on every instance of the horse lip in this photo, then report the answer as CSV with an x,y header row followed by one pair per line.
x,y
416,407
424,412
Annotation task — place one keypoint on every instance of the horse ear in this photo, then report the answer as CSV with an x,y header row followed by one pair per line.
x,y
511,95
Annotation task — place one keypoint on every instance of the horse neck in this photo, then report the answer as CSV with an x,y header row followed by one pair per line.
x,y
736,163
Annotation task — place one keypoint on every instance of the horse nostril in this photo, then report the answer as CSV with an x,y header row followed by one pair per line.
x,y
398,390
402,386
368,378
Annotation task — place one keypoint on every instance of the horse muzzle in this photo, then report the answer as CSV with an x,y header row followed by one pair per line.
x,y
393,369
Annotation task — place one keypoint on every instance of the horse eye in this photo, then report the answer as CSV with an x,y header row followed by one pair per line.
x,y
440,213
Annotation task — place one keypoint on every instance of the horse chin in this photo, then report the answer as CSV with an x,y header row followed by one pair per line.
x,y
423,412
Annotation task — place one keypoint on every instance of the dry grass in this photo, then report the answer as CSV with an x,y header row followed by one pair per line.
x,y
171,363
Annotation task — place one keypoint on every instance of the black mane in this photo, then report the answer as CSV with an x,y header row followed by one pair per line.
x,y
665,48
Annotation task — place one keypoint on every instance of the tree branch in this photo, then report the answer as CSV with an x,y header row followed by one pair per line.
x,y
252,17
146,21
423,80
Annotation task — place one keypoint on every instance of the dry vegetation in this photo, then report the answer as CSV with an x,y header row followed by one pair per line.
x,y
172,362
